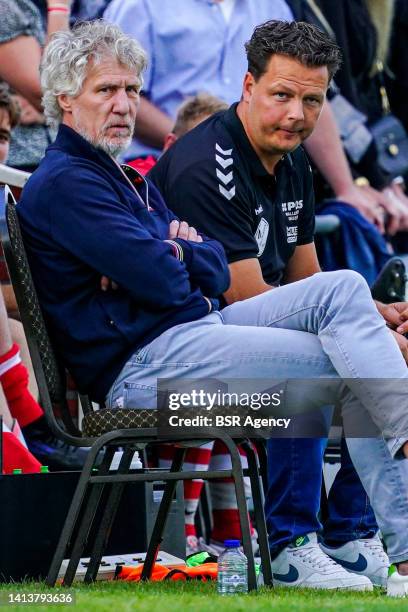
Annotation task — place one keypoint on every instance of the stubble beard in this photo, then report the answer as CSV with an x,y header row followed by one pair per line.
x,y
111,146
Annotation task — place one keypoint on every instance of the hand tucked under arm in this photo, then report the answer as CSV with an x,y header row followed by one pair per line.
x,y
402,343
181,229
395,314
204,258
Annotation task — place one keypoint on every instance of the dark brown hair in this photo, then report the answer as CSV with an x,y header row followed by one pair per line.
x,y
302,41
9,104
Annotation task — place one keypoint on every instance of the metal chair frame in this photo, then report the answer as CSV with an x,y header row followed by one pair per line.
x,y
104,489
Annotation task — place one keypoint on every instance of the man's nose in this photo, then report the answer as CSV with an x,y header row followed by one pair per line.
x,y
121,103
296,112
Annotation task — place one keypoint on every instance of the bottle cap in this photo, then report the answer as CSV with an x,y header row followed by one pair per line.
x,y
232,543
17,471
44,469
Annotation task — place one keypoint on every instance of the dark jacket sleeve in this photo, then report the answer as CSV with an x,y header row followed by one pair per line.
x,y
195,197
206,261
107,235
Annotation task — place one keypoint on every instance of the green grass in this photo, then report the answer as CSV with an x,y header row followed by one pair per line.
x,y
202,597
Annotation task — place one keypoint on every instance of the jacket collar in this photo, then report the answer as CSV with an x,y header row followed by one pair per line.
x,y
71,142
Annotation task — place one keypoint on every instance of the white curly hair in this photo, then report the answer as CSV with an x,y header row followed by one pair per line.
x,y
65,61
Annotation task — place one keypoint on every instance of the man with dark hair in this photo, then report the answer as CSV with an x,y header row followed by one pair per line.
x,y
242,178
299,41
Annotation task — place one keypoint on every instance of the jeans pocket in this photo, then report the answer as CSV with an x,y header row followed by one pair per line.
x,y
138,396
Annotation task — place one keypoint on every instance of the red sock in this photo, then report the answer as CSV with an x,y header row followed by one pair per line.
x,y
224,503
15,455
14,379
198,459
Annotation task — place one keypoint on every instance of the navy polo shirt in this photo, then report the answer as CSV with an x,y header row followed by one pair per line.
x,y
213,179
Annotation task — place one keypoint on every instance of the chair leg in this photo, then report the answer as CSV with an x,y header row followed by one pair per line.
x,y
242,511
85,525
258,499
205,510
263,463
73,514
162,514
108,517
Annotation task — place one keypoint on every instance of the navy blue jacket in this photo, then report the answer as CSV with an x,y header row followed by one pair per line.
x,y
360,246
81,218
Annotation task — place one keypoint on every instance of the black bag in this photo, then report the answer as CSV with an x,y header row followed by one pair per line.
x,y
389,135
391,142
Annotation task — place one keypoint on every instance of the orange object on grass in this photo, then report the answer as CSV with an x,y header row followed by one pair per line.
x,y
204,572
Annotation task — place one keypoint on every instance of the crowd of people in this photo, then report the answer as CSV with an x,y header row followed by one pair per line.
x,y
238,113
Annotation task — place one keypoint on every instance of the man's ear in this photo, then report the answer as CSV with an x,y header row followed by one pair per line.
x,y
169,140
65,102
247,87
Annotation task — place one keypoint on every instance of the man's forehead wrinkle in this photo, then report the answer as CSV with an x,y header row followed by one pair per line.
x,y
115,81
287,81
104,72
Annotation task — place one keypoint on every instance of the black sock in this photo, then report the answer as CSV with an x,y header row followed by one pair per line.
x,y
38,428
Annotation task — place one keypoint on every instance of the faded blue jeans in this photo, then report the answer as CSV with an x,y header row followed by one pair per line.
x,y
323,327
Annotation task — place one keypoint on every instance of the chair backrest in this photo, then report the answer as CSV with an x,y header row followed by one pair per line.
x,y
50,377
13,178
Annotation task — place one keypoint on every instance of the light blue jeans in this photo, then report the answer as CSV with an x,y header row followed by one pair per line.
x,y
323,327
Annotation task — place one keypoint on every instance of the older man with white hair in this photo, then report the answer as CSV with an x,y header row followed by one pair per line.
x,y
83,216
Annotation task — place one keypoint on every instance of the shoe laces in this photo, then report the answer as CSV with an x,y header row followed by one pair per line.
x,y
314,555
374,546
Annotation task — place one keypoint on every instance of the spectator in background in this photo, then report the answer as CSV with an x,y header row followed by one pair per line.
x,y
22,38
397,76
17,405
192,112
363,30
81,10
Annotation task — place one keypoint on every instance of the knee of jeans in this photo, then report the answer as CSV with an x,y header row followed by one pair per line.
x,y
347,280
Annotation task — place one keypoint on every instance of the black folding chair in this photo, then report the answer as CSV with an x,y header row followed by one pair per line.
x,y
97,495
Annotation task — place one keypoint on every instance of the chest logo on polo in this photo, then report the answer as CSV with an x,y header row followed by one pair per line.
x,y
261,235
225,174
291,209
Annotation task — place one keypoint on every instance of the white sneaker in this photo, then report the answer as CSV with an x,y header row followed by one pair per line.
x,y
397,585
304,564
365,557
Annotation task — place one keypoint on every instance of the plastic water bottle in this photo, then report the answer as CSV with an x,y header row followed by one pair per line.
x,y
232,570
